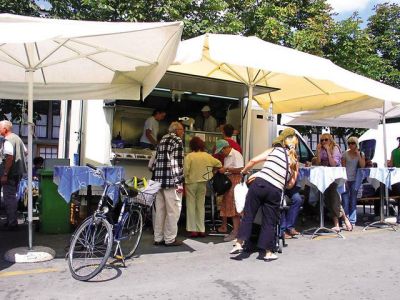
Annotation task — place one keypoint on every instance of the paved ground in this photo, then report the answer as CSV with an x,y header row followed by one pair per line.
x,y
365,265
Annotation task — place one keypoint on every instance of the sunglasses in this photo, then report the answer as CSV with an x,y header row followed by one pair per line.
x,y
351,143
324,140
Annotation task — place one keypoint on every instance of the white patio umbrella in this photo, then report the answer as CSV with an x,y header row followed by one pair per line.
x,y
48,59
305,82
359,114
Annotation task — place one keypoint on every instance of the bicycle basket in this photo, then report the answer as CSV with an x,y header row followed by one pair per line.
x,y
147,195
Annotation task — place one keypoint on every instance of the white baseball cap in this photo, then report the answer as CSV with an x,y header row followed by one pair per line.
x,y
206,108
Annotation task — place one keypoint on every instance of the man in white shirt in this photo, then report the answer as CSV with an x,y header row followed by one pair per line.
x,y
209,123
151,128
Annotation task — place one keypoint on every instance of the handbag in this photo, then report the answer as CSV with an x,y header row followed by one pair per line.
x,y
221,183
240,193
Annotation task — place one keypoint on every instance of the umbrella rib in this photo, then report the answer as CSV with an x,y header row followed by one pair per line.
x,y
41,69
262,78
314,84
14,60
80,55
38,65
220,67
115,52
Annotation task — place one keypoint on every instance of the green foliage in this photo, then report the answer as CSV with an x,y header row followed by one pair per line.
x,y
19,7
384,28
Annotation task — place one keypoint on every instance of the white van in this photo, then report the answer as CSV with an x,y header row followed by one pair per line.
x,y
371,143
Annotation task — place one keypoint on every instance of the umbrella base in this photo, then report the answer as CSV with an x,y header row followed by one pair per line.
x,y
24,255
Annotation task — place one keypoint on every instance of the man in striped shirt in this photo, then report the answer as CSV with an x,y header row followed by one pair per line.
x,y
168,170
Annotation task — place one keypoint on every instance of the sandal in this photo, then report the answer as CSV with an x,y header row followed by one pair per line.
x,y
336,229
270,256
349,226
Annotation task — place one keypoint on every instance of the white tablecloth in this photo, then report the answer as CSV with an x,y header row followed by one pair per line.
x,y
323,177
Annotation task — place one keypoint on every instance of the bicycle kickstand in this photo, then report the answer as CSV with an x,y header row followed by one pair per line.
x,y
121,256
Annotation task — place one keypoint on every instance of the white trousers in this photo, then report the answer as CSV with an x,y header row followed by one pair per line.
x,y
168,211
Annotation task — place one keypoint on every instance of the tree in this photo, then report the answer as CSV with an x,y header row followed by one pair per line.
x,y
384,28
352,48
19,7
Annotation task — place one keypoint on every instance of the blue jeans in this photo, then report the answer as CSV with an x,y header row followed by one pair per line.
x,y
288,218
349,202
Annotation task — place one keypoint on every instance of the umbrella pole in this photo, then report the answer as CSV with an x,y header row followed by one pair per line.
x,y
30,149
248,124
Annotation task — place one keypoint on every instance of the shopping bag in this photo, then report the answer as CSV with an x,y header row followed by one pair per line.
x,y
240,193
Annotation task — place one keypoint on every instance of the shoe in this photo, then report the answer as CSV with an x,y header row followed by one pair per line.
x,y
174,243
293,232
230,237
221,230
193,234
161,243
201,234
236,249
270,256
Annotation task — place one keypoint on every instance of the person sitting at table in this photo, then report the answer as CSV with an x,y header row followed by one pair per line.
x,y
289,217
352,159
329,155
197,169
395,162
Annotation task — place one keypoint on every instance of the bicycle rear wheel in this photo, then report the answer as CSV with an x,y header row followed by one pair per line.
x,y
90,248
131,232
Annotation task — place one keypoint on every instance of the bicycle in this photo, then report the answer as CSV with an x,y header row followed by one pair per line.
x,y
92,242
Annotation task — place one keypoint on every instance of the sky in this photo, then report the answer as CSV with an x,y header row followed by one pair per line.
x,y
345,8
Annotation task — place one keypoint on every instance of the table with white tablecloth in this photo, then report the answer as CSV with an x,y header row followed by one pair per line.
x,y
379,178
321,178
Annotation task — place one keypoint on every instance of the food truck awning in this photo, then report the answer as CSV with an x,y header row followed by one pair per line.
x,y
211,86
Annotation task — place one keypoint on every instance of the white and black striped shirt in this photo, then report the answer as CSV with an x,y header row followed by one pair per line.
x,y
275,168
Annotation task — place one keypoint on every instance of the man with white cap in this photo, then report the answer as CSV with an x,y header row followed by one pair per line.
x,y
209,124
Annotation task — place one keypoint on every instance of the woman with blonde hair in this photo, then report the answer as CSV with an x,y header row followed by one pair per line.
x,y
352,159
329,155
279,171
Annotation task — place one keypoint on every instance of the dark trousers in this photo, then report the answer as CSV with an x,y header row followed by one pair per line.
x,y
261,194
10,200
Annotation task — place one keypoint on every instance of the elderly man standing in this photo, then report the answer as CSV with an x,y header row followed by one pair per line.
x,y
168,170
14,168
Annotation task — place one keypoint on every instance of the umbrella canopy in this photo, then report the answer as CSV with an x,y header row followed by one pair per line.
x,y
305,82
359,113
84,60
50,59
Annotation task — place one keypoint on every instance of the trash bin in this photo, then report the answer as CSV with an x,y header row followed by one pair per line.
x,y
54,211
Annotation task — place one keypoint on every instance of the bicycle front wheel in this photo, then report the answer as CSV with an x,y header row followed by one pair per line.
x,y
90,248
131,232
